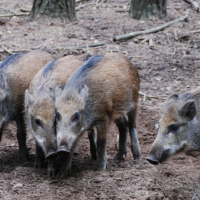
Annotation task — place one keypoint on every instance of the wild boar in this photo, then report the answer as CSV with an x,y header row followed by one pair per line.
x,y
40,108
179,129
103,90
16,73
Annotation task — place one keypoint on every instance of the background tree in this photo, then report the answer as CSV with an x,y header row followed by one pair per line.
x,y
64,9
148,9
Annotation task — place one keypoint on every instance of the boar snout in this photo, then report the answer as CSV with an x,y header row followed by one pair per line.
x,y
152,159
51,154
157,156
63,150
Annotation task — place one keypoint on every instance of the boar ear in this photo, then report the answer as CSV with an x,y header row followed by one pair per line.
x,y
84,92
171,99
52,93
28,99
189,110
58,90
2,82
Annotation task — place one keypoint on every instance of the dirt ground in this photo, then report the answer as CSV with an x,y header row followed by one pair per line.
x,y
170,65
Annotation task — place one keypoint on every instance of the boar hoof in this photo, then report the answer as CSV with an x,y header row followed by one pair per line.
x,y
63,150
151,158
102,166
136,152
94,157
62,175
23,157
119,156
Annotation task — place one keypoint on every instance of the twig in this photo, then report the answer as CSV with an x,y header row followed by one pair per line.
x,y
78,1
194,3
187,34
13,51
195,31
85,5
145,131
84,46
151,97
25,10
14,14
153,30
6,50
90,45
4,8
122,10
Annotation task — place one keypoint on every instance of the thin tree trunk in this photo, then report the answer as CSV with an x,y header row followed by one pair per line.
x,y
64,9
148,9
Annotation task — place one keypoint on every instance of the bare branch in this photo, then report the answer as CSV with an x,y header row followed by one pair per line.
x,y
187,34
25,10
151,97
14,14
6,50
85,5
90,45
194,3
153,30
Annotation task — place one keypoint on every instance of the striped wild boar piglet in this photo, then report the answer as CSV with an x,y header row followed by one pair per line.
x,y
179,130
103,90
16,73
40,108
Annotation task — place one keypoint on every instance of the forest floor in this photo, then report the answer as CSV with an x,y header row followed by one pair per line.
x,y
171,64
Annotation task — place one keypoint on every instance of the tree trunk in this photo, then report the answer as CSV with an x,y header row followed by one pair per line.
x,y
64,9
148,9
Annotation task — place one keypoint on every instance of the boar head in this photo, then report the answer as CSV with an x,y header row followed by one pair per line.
x,y
70,117
40,114
178,129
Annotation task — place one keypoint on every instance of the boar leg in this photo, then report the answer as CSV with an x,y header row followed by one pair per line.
x,y
93,146
51,168
135,146
101,145
197,191
123,130
39,157
1,131
21,137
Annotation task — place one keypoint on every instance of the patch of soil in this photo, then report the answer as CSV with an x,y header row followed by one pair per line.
x,y
170,65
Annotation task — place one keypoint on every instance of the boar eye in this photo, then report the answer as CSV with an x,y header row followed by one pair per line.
x,y
76,117
173,128
58,117
38,122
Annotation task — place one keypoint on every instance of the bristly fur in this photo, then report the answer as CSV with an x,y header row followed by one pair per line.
x,y
18,70
49,67
103,90
83,70
40,101
11,60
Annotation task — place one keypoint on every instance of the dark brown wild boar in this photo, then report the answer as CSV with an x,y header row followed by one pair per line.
x,y
103,90
16,73
40,107
179,129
